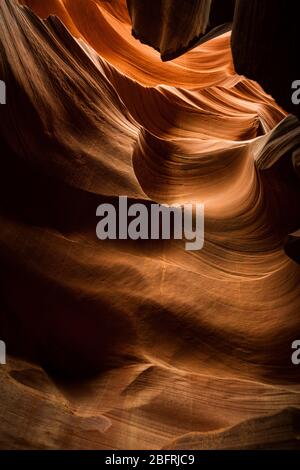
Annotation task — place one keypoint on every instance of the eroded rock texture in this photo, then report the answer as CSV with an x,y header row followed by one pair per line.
x,y
174,26
140,344
264,45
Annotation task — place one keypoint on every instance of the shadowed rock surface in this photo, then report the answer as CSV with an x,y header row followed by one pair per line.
x,y
174,26
141,345
264,46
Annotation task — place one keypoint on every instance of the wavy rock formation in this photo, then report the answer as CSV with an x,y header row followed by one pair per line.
x,y
262,52
141,344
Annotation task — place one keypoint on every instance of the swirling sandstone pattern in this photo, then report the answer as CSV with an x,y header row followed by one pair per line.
x,y
141,344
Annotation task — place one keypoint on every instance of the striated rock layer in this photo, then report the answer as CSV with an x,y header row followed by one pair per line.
x,y
141,344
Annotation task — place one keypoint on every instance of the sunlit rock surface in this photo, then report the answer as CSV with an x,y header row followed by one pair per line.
x,y
139,344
